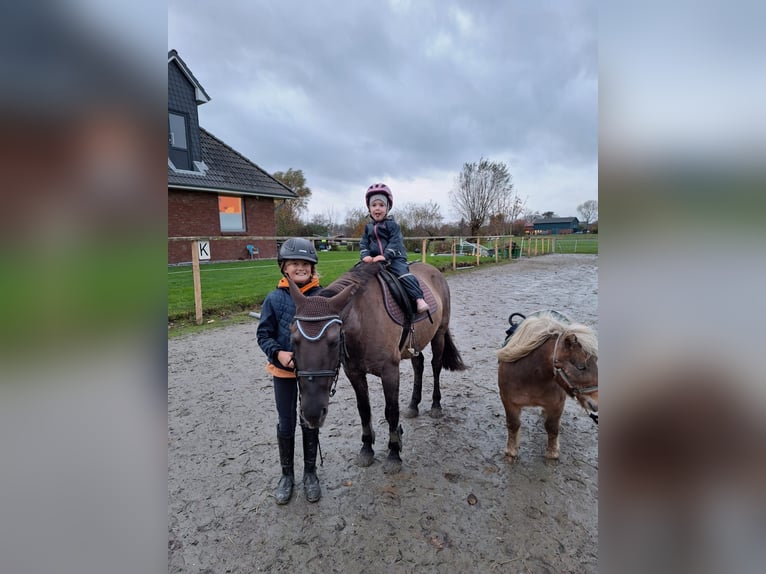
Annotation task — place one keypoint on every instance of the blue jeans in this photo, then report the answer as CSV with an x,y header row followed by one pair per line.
x,y
286,395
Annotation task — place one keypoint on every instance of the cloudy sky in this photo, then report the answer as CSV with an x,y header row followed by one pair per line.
x,y
401,91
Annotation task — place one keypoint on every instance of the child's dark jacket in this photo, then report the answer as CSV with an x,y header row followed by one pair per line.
x,y
384,238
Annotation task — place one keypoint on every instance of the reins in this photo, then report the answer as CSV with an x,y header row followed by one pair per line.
x,y
566,384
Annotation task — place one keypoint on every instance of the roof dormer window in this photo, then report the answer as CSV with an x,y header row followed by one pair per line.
x,y
178,141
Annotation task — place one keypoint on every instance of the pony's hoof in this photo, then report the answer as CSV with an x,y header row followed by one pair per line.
x,y
436,413
365,457
552,455
512,455
410,412
392,465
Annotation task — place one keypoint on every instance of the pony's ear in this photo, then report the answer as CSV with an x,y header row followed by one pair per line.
x,y
295,293
571,340
340,300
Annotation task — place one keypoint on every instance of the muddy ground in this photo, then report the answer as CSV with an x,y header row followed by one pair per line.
x,y
458,504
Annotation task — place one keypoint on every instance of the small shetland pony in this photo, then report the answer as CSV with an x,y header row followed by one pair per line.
x,y
545,360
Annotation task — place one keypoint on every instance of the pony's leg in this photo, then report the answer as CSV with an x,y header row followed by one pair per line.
x,y
505,384
417,387
512,423
359,383
390,378
437,349
552,425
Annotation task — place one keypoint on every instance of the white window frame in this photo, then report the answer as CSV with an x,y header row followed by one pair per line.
x,y
227,220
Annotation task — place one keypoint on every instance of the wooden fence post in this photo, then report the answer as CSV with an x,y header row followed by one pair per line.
x,y
197,285
423,254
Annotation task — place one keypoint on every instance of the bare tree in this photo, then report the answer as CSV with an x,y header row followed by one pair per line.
x,y
530,216
507,210
355,222
331,217
517,208
317,225
478,190
420,218
498,216
588,211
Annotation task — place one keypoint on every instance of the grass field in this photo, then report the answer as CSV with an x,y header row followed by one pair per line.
x,y
588,245
240,286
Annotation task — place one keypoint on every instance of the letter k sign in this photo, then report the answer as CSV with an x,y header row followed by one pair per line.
x,y
204,250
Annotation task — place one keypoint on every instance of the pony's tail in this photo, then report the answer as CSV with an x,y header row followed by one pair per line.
x,y
451,359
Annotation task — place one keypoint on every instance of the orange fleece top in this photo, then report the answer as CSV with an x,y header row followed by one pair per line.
x,y
270,367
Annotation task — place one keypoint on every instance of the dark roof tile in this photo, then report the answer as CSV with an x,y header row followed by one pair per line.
x,y
228,170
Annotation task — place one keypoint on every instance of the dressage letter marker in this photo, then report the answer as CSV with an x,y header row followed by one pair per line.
x,y
204,250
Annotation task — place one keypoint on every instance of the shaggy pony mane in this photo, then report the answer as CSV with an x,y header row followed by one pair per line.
x,y
534,331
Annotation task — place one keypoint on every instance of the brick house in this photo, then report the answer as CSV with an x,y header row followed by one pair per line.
x,y
213,190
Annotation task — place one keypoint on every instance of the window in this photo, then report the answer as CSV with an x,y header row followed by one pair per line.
x,y
230,212
178,141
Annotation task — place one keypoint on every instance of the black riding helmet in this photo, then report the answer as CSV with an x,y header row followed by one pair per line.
x,y
297,248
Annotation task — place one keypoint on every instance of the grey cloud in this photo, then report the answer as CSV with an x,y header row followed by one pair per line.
x,y
402,90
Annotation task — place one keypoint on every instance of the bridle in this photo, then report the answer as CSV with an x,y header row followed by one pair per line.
x,y
570,389
333,373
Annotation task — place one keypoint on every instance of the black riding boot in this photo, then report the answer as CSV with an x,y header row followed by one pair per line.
x,y
310,481
286,451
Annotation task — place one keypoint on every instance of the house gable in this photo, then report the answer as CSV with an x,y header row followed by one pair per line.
x,y
185,93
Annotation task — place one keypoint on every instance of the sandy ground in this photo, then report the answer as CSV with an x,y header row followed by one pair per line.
x,y
458,505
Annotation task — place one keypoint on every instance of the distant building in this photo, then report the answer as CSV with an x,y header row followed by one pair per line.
x,y
555,225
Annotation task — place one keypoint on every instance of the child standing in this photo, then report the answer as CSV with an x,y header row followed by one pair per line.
x,y
297,259
383,241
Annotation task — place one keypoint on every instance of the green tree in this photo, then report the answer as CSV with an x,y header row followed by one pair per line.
x,y
478,191
289,211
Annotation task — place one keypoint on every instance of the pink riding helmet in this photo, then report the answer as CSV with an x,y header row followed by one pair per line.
x,y
378,188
